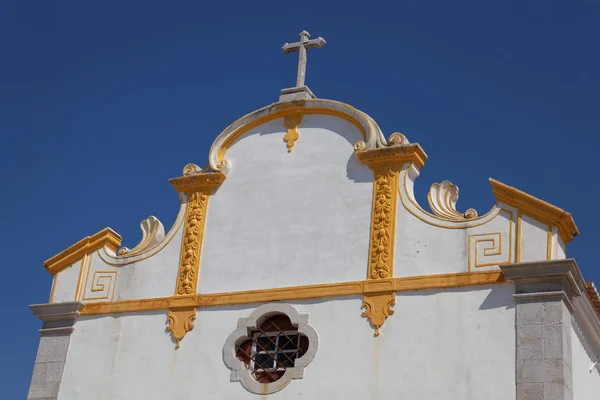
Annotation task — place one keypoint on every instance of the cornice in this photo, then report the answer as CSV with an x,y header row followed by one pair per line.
x,y
594,297
560,279
536,208
195,181
548,272
393,155
105,238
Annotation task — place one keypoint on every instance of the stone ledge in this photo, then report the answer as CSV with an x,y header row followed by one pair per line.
x,y
546,276
57,318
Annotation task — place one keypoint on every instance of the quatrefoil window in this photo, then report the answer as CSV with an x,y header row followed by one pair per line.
x,y
270,348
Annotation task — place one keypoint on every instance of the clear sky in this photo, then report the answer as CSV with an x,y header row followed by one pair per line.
x,y
102,102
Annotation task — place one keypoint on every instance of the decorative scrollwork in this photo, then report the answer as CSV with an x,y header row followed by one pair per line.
x,y
180,322
378,307
153,232
397,139
191,169
442,198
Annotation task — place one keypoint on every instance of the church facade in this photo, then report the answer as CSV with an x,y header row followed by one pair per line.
x,y
300,265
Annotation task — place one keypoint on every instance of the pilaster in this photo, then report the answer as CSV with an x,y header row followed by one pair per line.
x,y
544,296
58,324
386,164
197,187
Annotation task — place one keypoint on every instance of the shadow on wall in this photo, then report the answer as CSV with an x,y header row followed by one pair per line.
x,y
357,171
499,296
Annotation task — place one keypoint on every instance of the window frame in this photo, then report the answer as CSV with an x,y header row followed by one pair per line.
x,y
246,327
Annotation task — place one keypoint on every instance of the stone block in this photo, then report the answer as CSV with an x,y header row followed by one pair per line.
x,y
530,391
556,391
44,390
53,348
553,342
530,313
553,312
541,371
530,331
54,371
530,349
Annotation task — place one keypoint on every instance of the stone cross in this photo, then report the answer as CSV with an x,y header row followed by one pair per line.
x,y
300,91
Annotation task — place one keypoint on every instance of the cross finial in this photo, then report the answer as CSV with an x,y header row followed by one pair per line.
x,y
300,92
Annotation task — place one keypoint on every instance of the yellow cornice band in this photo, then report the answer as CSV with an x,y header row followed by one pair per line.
x,y
204,182
106,237
536,208
394,155
403,284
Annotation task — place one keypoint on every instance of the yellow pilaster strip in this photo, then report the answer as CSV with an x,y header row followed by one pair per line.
x,y
386,163
197,187
519,236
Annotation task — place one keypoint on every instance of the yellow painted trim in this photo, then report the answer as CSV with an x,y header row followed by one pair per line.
x,y
191,244
495,244
285,109
80,278
54,283
537,209
106,237
383,223
519,236
197,187
549,244
204,182
403,284
98,286
394,155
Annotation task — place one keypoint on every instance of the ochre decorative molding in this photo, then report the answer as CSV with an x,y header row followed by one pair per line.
x,y
494,247
378,307
396,155
182,314
291,123
383,223
204,182
537,209
102,286
195,218
105,238
197,187
386,163
368,287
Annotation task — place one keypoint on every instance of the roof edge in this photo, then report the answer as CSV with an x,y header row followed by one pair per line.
x,y
105,238
536,208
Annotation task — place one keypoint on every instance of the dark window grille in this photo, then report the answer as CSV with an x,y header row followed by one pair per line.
x,y
272,348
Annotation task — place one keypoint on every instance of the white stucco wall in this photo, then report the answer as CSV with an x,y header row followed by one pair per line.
x,y
534,240
65,286
586,383
286,219
451,344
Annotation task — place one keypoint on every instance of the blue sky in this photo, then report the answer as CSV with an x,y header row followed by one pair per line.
x,y
102,102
